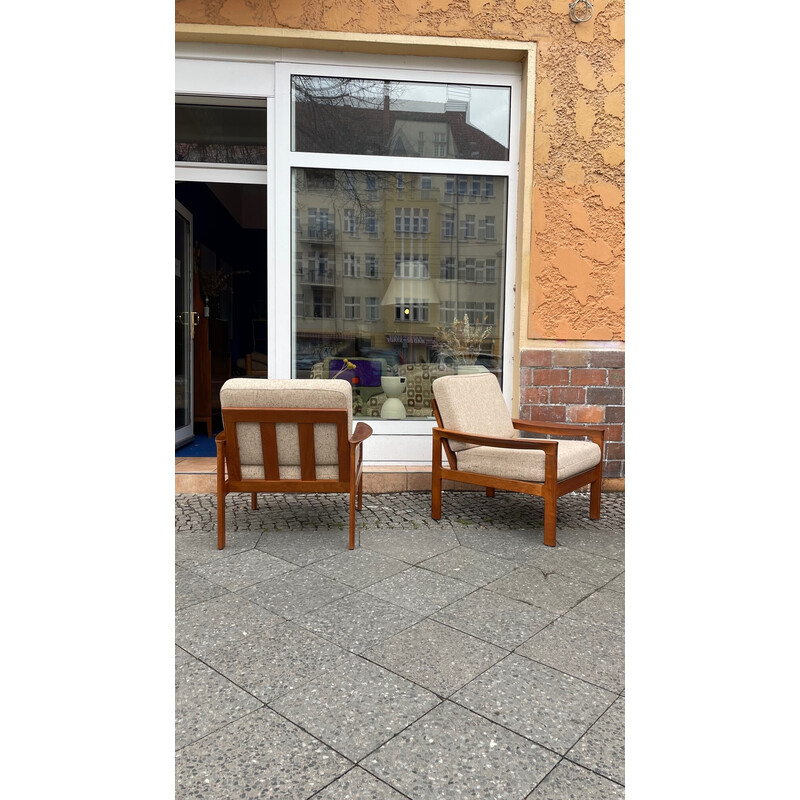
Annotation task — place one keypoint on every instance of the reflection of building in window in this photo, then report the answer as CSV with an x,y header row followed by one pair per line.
x,y
352,307
439,145
350,268
371,221
410,310
372,311
486,228
467,229
323,302
447,270
417,268
371,268
411,220
448,226
350,224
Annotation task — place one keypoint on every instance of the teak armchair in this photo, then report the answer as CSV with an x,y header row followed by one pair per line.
x,y
483,446
288,436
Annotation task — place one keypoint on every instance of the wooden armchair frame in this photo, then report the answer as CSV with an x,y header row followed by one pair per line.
x,y
229,467
551,489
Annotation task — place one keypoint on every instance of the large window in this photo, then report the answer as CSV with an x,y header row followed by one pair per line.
x,y
400,259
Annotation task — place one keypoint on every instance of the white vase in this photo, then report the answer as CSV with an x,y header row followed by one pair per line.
x,y
393,408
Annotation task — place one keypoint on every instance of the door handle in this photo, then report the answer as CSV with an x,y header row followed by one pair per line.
x,y
189,318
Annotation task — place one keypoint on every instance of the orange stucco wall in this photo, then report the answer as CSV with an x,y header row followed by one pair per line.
x,y
576,286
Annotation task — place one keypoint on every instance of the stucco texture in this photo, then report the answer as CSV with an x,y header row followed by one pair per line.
x,y
576,286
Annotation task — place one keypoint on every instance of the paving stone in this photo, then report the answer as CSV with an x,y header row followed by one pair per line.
x,y
358,785
552,592
571,782
609,542
358,621
452,754
206,701
586,567
411,546
296,592
420,590
547,706
228,618
512,544
602,747
618,584
357,708
603,607
471,566
274,661
191,588
592,653
304,547
494,618
240,570
435,656
195,547
359,568
259,756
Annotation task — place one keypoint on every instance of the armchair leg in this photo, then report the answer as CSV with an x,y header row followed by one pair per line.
x,y
253,501
594,499
490,491
550,516
352,542
436,486
220,521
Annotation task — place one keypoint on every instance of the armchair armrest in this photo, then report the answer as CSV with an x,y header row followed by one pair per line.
x,y
362,431
548,445
596,432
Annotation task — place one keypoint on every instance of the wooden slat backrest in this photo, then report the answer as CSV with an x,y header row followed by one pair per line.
x,y
304,419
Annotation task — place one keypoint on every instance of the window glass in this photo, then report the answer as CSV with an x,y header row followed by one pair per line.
x,y
401,281
400,118
220,134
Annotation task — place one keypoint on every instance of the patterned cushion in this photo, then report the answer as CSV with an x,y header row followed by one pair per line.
x,y
288,393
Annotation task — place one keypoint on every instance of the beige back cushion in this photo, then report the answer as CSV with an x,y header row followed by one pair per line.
x,y
473,404
288,393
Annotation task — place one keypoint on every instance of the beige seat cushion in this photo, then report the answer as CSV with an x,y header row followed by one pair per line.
x,y
574,457
473,404
287,393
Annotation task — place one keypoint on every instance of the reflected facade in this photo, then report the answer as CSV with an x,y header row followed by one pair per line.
x,y
390,270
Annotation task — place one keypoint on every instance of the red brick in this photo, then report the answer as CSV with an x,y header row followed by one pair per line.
x,y
571,358
615,450
588,377
614,433
568,394
616,377
551,377
590,414
549,413
603,396
607,359
536,358
534,395
613,469
615,414
526,376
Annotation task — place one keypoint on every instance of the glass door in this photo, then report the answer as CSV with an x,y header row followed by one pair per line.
x,y
185,321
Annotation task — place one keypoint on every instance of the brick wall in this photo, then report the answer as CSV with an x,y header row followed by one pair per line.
x,y
580,386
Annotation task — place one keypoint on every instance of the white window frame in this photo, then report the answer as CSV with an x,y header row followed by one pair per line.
x,y
257,74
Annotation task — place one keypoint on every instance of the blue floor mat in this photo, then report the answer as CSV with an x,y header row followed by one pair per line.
x,y
199,447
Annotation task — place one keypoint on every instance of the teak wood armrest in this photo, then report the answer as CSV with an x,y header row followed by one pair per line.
x,y
362,431
596,432
548,445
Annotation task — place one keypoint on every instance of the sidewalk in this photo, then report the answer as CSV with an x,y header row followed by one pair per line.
x,y
458,658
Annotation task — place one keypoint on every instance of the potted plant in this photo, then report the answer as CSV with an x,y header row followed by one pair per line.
x,y
461,342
